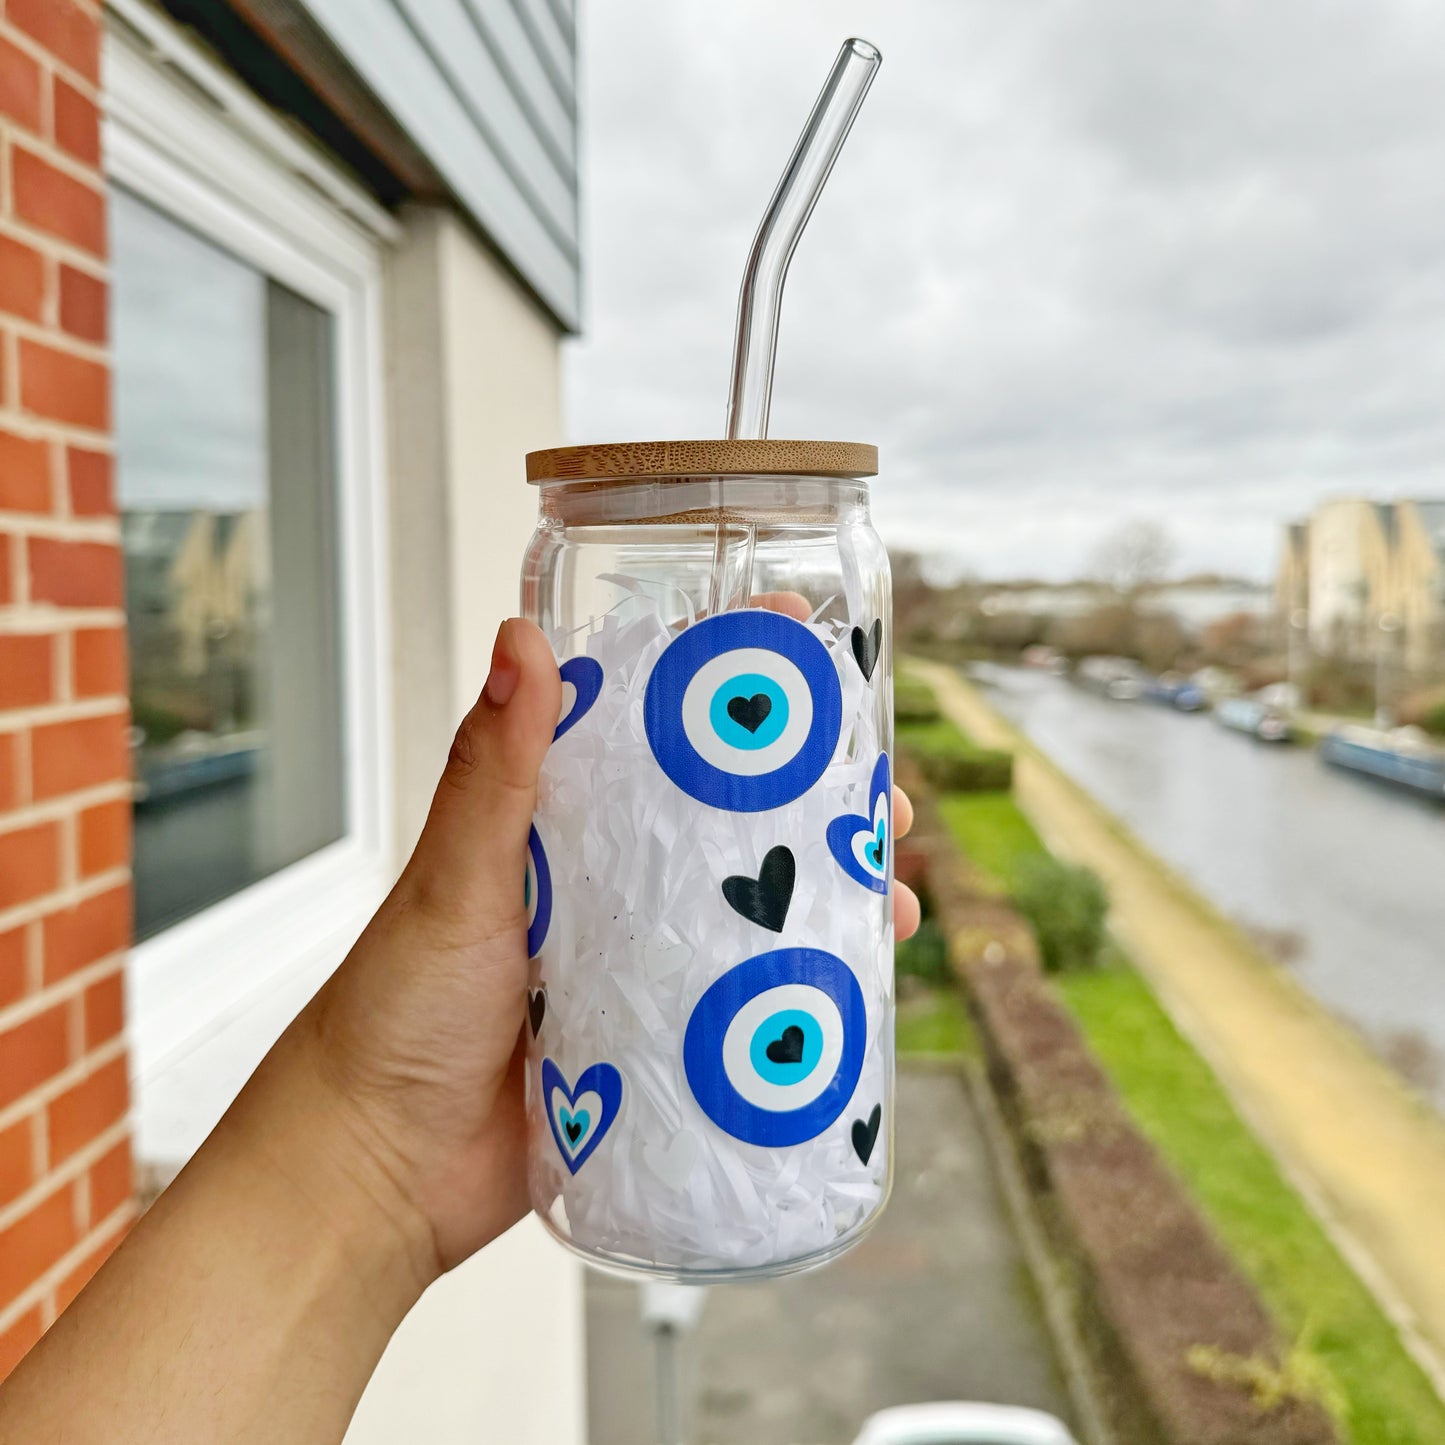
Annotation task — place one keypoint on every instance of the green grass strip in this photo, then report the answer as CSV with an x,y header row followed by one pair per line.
x,y
993,833
1314,1296
936,1023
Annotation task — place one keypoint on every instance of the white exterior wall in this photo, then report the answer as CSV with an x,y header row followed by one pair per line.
x,y
493,1355
494,1352
504,399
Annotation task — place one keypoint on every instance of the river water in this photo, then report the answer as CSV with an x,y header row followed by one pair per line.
x,y
1346,877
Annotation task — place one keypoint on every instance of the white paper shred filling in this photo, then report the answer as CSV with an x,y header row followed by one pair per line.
x,y
640,929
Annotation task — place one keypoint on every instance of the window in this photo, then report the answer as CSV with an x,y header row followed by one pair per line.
x,y
246,295
225,434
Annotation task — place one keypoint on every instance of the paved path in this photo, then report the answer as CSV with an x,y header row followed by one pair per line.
x,y
1369,1155
934,1304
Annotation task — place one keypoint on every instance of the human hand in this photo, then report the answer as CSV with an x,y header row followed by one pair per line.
x,y
420,1031
380,1142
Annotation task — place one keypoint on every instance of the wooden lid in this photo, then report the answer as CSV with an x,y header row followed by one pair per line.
x,y
625,460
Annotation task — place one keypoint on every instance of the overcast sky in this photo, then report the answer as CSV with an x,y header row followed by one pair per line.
x,y
1082,261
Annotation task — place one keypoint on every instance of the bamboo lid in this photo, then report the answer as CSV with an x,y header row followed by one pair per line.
x,y
618,461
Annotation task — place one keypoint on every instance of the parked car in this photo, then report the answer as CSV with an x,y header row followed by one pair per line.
x,y
962,1423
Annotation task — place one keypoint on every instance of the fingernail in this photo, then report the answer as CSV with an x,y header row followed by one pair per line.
x,y
506,671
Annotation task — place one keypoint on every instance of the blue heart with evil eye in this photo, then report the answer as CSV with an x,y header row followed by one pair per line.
x,y
860,844
577,1133
581,686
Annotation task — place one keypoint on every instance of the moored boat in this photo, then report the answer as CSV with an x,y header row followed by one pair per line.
x,y
1176,692
1400,757
1119,678
1248,715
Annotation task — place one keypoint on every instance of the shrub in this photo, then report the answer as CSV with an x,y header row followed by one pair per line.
x,y
1337,685
1426,710
981,770
159,724
1067,907
913,702
952,763
924,956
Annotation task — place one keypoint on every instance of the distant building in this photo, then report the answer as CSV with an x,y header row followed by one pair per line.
x,y
1292,583
1351,543
1419,596
1363,572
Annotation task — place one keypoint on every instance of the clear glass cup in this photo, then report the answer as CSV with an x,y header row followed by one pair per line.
x,y
710,1047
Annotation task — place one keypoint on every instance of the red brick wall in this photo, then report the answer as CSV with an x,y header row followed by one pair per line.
x,y
65,1168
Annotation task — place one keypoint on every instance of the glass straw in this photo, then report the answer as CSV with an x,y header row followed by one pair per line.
x,y
760,297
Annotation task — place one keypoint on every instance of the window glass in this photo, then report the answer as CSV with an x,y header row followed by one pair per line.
x,y
227,480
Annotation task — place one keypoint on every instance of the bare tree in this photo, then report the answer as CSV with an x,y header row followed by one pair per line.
x,y
910,584
1134,557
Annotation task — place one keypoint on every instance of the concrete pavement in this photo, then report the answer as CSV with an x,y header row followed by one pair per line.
x,y
934,1304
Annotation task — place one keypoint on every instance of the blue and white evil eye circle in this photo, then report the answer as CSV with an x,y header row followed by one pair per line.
x,y
537,894
743,710
581,686
863,844
773,1050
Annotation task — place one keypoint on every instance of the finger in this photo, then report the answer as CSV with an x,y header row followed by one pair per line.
x,y
902,813
470,861
790,604
907,914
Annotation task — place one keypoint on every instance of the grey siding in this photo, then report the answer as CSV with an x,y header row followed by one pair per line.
x,y
486,88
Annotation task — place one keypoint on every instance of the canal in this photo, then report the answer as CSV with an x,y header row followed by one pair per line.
x,y
1342,879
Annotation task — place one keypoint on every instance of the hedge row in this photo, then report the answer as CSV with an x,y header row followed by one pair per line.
x,y
951,762
913,701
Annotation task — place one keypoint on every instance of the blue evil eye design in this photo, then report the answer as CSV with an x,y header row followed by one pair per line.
x,y
537,894
581,1113
743,710
863,846
581,685
773,1050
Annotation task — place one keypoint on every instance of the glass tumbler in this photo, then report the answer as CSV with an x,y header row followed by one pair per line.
x,y
710,926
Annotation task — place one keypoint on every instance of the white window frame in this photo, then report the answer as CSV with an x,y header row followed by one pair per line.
x,y
207,996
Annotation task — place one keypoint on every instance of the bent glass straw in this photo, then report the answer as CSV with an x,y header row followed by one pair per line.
x,y
760,296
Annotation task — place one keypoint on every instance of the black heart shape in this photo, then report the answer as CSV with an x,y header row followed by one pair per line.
x,y
536,1009
866,1135
574,1133
789,1048
750,712
866,646
764,900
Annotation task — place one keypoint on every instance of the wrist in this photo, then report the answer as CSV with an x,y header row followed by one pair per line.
x,y
316,1143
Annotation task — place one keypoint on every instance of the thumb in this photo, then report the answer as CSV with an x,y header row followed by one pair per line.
x,y
468,865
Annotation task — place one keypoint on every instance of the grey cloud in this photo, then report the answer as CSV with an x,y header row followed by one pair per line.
x,y
1080,261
